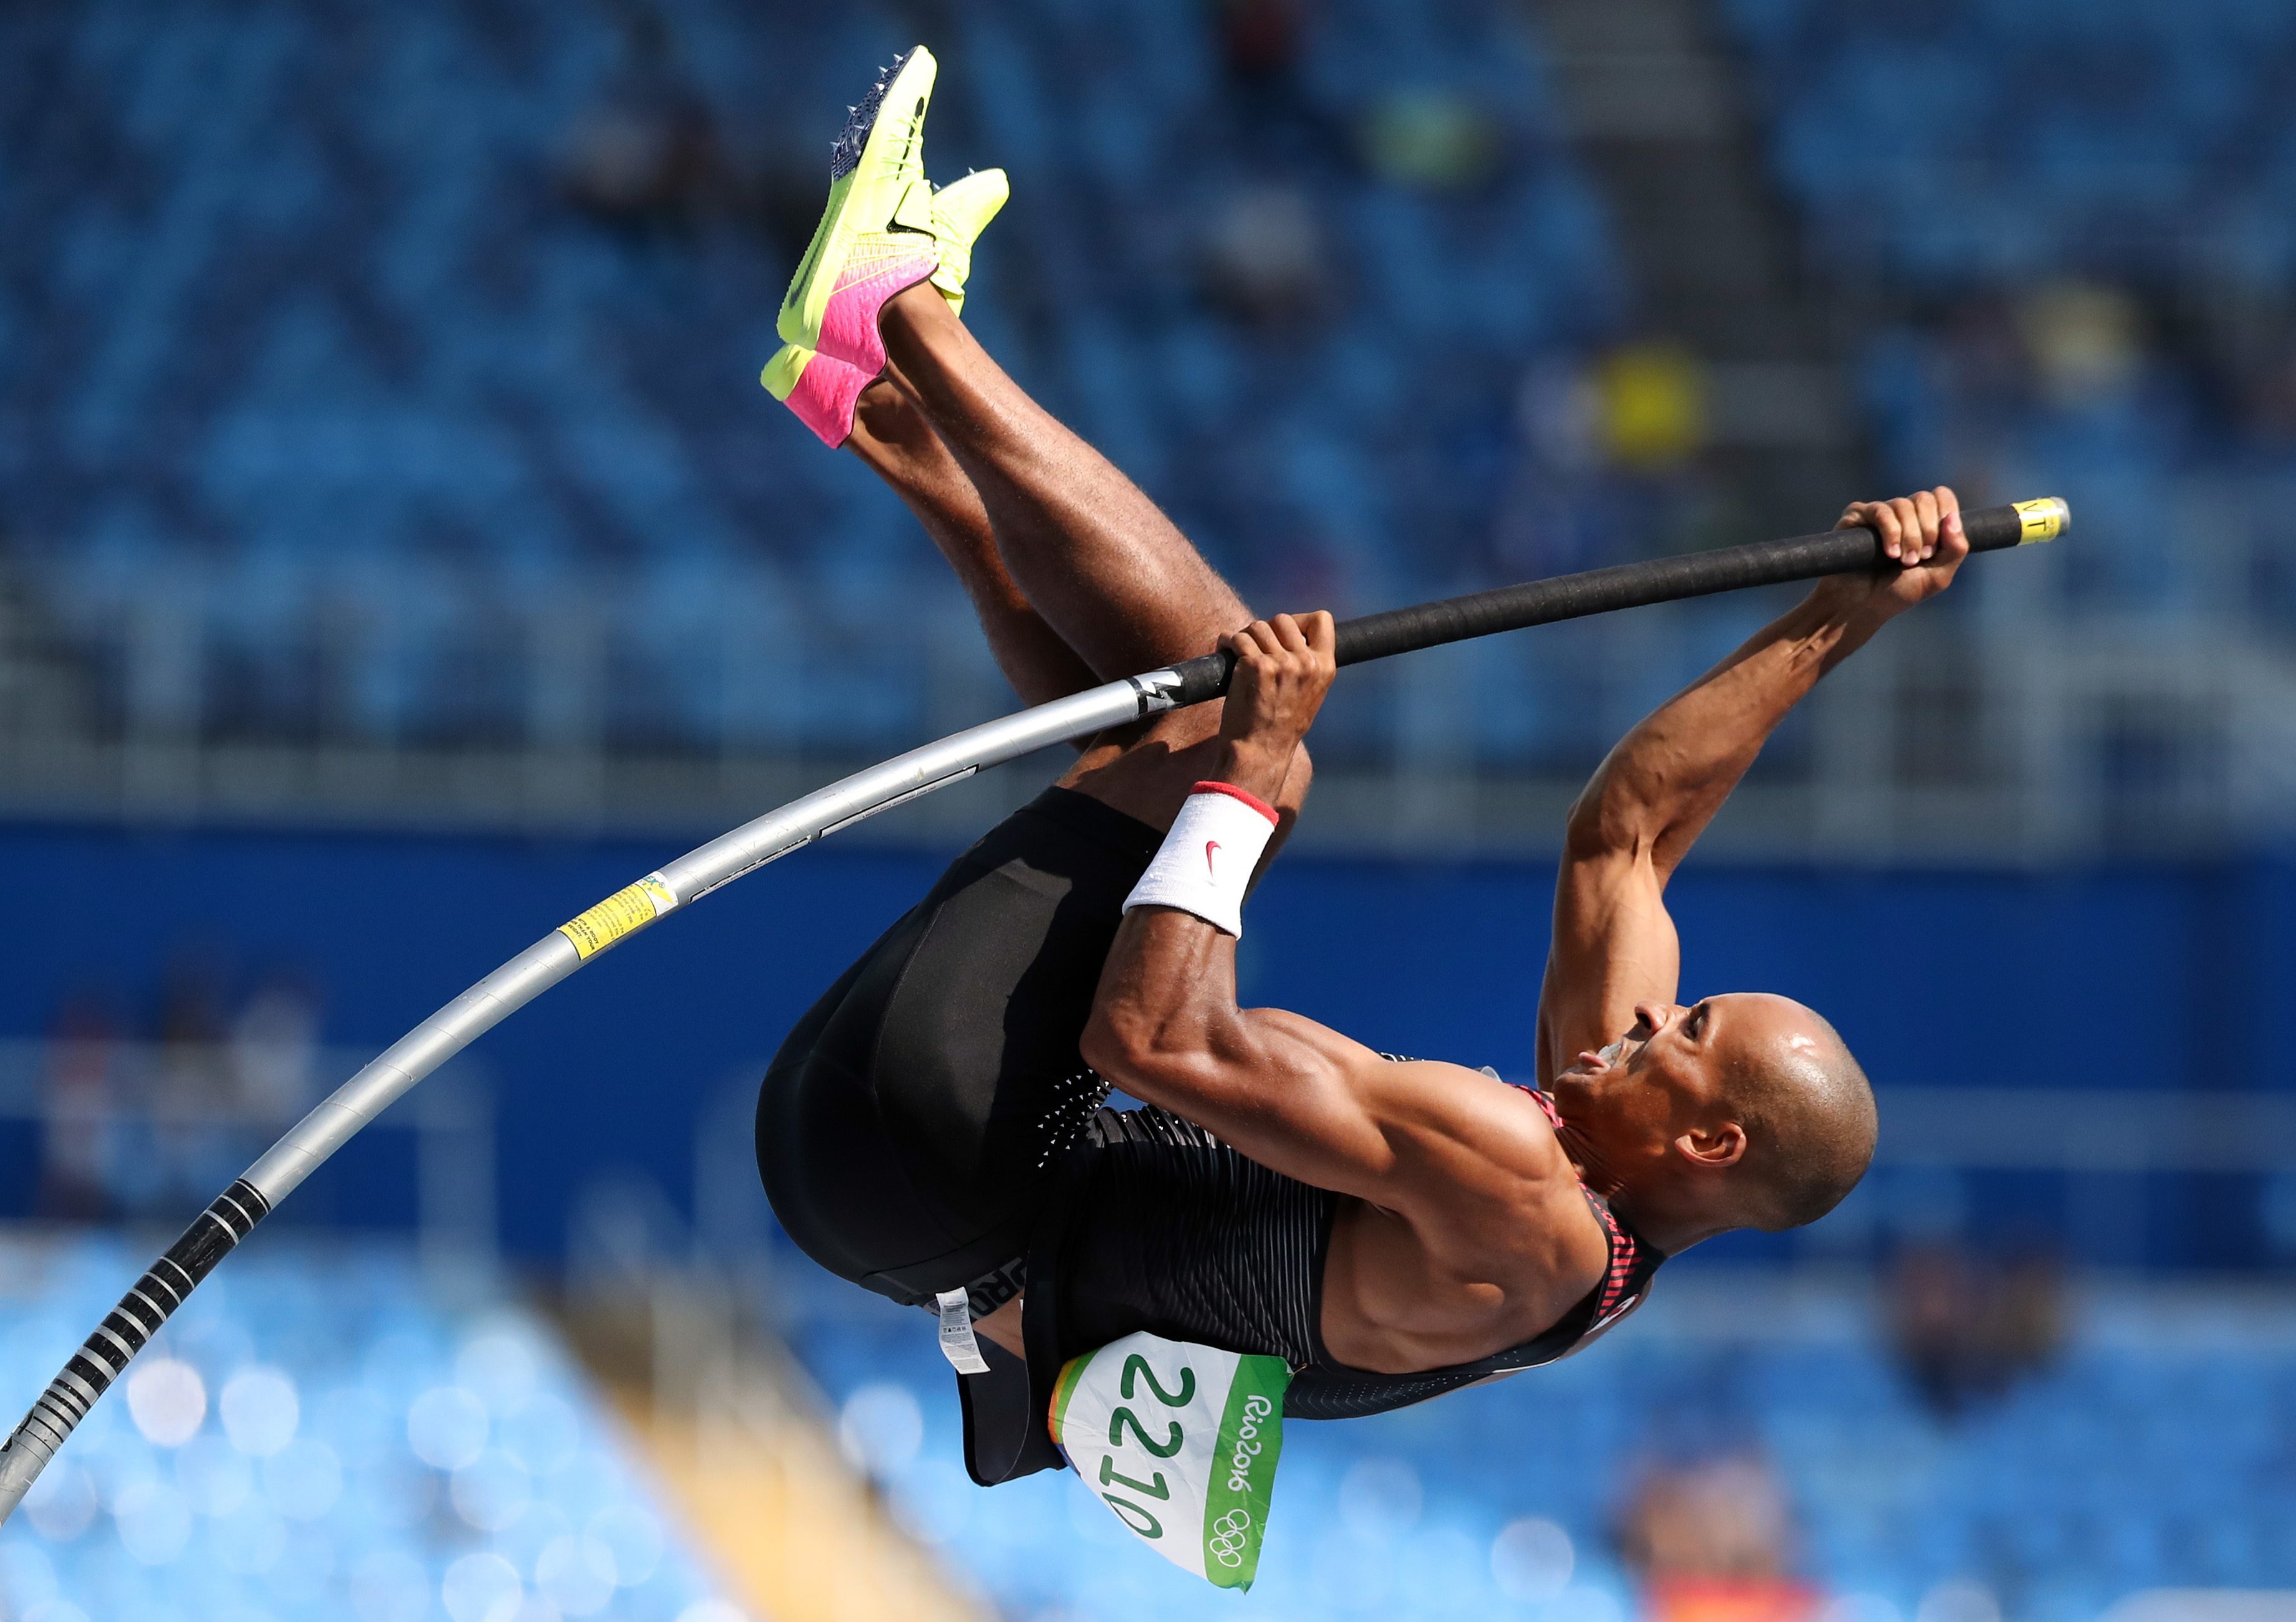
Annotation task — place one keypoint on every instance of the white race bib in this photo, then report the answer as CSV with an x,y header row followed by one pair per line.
x,y
1180,1442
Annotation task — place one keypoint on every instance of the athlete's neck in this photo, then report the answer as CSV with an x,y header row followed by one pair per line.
x,y
1663,1223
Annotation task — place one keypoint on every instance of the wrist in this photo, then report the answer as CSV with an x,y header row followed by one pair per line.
x,y
1855,605
1205,864
1257,764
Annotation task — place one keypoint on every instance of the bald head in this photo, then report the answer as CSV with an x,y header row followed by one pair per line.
x,y
1744,1110
1808,1115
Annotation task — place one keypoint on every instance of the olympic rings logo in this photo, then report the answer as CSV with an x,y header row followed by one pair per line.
x,y
1227,1541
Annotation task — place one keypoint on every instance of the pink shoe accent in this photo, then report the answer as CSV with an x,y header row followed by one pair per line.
x,y
848,325
823,398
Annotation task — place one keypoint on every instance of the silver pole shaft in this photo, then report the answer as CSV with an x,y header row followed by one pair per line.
x,y
128,1328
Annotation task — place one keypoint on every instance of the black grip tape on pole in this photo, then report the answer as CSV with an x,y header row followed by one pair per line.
x,y
1600,590
128,1327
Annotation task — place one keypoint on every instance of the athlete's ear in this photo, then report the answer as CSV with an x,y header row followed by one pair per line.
x,y
1716,1146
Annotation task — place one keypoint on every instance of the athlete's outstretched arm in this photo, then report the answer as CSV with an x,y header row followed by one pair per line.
x,y
1614,944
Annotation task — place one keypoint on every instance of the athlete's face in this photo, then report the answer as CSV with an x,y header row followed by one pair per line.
x,y
1635,1102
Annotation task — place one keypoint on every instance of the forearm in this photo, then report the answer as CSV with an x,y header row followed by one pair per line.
x,y
1165,1015
1294,1096
1669,776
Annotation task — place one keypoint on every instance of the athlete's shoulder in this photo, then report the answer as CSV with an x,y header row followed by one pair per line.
x,y
1509,1126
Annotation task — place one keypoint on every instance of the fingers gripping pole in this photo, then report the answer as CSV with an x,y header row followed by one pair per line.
x,y
103,1357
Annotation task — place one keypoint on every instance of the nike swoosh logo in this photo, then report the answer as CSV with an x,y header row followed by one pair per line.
x,y
1210,846
805,266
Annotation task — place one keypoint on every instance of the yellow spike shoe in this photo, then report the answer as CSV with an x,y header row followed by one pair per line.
x,y
876,236
961,213
822,391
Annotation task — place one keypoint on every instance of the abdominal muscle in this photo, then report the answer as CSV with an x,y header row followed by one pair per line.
x,y
1389,1310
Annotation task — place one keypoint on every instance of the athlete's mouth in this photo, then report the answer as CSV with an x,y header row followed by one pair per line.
x,y
1603,1058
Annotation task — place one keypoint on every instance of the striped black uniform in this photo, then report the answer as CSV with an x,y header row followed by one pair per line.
x,y
930,1126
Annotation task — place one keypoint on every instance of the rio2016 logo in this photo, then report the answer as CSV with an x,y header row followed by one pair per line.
x,y
1227,1542
1248,1446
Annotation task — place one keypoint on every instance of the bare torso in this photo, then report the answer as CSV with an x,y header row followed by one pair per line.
x,y
1401,1295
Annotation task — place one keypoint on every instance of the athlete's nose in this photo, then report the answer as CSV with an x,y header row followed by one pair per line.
x,y
1652,1016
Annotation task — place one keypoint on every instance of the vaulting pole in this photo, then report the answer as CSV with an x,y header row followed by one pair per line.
x,y
130,1325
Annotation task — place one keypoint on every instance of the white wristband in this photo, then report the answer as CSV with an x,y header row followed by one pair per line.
x,y
1206,860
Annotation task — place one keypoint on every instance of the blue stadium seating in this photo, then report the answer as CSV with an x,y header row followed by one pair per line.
x,y
1956,157
295,305
2082,1486
355,1447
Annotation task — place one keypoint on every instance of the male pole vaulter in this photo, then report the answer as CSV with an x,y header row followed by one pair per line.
x,y
934,1128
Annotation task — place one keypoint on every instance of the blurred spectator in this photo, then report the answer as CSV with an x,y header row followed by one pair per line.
x,y
1576,498
1559,413
648,158
78,1102
1965,1332
1267,258
1430,139
194,1076
2084,342
133,1128
274,1045
1263,45
1261,41
2265,378
1713,1542
1653,398
1935,1303
1982,351
1718,1517
643,162
193,1145
1561,510
2030,1327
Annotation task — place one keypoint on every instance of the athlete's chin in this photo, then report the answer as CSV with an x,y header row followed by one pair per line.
x,y
1572,1085
1585,1098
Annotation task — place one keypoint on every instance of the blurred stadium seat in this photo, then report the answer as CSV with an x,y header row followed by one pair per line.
x,y
2080,1486
2065,229
372,353
321,1434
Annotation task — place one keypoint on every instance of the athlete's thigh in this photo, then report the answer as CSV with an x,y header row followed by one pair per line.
x,y
905,1129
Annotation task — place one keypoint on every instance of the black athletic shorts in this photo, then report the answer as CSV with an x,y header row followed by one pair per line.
x,y
910,1128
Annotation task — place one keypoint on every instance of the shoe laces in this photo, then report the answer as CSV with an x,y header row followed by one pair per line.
x,y
845,153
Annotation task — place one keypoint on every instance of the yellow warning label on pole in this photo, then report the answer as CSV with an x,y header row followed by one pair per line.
x,y
2041,520
626,912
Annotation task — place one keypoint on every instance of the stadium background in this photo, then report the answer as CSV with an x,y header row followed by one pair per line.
x,y
396,555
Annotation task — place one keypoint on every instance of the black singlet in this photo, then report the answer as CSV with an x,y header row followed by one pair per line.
x,y
1166,1229
929,1125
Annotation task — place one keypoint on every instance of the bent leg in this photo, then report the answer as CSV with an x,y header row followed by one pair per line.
x,y
1095,557
891,436
1102,564
909,1128
1143,770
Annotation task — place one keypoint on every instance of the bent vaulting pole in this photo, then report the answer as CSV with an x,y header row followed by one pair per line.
x,y
129,1326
